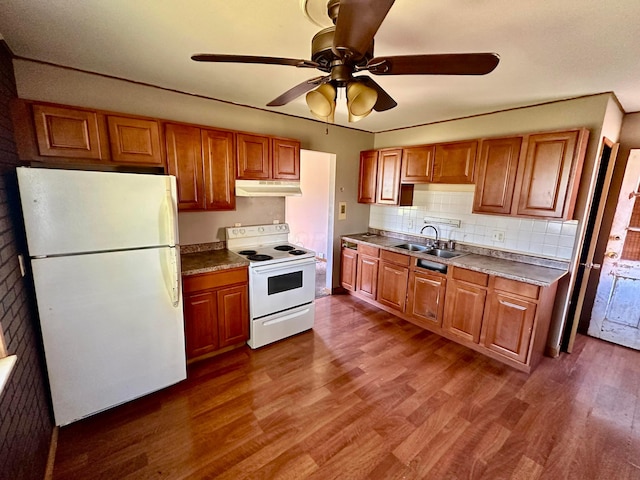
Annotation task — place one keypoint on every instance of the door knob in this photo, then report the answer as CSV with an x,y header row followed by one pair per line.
x,y
615,237
611,255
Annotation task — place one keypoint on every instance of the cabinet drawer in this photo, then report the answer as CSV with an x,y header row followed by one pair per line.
x,y
207,281
393,257
368,250
470,276
519,288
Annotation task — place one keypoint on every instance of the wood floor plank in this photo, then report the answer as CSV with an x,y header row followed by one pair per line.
x,y
367,395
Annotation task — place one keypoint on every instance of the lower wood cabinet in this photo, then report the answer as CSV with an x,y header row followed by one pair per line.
x,y
425,301
504,319
216,311
466,294
393,274
349,266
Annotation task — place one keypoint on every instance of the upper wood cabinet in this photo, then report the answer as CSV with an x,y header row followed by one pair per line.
x,y
549,174
67,132
368,181
379,180
536,175
455,162
417,164
497,167
254,157
263,158
285,159
135,141
388,176
203,162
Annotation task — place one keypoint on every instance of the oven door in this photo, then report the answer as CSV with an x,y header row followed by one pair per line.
x,y
281,286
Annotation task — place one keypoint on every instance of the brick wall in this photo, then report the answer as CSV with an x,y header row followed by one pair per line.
x,y
25,415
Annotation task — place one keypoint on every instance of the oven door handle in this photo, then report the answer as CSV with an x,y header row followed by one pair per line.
x,y
288,265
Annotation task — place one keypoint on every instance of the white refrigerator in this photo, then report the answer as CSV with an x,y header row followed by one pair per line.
x,y
108,286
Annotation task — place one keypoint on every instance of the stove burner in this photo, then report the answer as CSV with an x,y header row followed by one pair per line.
x,y
297,252
247,252
284,248
259,258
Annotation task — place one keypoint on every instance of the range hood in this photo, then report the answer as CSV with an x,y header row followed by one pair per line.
x,y
267,188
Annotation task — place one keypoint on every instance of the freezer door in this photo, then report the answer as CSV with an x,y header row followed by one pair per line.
x,y
68,211
112,327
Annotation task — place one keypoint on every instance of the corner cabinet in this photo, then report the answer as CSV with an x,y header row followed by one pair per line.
x,y
535,175
379,180
203,162
267,158
216,311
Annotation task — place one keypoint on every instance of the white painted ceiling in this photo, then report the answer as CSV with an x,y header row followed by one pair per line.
x,y
548,50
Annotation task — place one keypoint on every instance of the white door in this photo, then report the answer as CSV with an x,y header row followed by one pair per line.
x,y
112,327
72,211
616,312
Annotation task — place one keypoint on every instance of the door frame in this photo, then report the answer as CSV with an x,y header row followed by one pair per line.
x,y
585,266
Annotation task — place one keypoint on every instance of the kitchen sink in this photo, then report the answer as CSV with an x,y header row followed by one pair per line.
x,y
438,252
412,247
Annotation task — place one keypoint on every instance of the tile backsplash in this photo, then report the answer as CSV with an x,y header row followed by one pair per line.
x,y
546,238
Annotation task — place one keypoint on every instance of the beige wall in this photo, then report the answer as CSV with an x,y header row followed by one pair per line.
x,y
47,83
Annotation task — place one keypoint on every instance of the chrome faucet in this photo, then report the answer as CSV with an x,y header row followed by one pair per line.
x,y
434,229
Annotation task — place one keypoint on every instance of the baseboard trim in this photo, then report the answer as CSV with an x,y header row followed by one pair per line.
x,y
53,447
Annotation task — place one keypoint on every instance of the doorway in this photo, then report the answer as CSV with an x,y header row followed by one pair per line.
x,y
310,217
616,311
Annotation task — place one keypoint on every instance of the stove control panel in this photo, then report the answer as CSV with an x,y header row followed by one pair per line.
x,y
257,230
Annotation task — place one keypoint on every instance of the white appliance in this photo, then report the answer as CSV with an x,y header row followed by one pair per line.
x,y
281,282
107,279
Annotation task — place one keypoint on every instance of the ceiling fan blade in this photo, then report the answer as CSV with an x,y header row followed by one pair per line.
x,y
384,102
442,64
298,90
357,23
212,57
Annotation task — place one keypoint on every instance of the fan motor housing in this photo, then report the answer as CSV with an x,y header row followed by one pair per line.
x,y
322,53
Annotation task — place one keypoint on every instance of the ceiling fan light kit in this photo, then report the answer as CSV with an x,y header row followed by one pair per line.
x,y
347,48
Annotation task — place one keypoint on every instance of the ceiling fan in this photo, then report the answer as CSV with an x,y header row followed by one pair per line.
x,y
346,48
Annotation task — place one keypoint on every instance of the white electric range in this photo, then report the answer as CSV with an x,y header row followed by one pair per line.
x,y
281,281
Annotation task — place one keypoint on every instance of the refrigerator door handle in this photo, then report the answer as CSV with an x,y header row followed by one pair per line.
x,y
172,211
175,290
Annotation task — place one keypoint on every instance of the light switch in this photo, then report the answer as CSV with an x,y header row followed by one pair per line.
x,y
342,210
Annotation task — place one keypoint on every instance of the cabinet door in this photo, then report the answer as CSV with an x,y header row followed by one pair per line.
x,y
392,286
367,276
349,259
134,140
233,315
201,323
546,175
426,298
68,133
219,178
508,325
368,181
389,176
496,178
417,164
285,159
455,162
184,160
464,310
254,159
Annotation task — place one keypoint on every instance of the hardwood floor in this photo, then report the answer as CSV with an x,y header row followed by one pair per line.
x,y
367,395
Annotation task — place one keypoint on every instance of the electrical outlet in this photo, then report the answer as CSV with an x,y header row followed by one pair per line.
x,y
498,236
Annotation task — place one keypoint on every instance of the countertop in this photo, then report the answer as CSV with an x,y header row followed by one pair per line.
x,y
210,261
542,276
